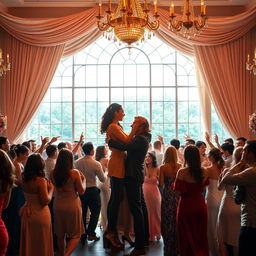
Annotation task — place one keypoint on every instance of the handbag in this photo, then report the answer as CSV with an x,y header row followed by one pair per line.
x,y
239,194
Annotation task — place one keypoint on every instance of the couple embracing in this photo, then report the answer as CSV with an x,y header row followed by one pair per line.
x,y
126,171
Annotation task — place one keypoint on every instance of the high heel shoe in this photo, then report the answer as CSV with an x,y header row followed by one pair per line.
x,y
109,242
129,240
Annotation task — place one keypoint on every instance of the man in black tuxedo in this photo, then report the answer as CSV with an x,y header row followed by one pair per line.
x,y
134,178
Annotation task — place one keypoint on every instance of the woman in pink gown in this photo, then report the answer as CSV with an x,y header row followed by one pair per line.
x,y
192,212
6,184
152,196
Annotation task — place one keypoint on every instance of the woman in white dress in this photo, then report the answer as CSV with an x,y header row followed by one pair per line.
x,y
101,156
213,197
228,223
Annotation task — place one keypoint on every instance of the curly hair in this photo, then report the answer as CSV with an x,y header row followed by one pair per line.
x,y
192,160
108,116
7,176
64,163
35,167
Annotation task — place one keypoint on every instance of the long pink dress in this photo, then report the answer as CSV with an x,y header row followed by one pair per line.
x,y
153,201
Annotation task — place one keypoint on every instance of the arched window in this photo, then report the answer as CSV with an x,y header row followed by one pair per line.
x,y
152,80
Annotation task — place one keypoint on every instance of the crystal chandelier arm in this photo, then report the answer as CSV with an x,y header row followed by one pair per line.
x,y
177,26
102,25
199,25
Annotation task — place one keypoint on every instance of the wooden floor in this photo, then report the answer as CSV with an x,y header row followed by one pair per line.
x,y
96,248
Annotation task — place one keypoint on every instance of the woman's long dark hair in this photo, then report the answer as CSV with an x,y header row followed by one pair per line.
x,y
108,116
100,153
34,167
6,172
153,157
64,163
192,160
216,154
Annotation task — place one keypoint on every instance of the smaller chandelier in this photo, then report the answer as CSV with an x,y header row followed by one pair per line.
x,y
251,66
188,25
129,23
4,66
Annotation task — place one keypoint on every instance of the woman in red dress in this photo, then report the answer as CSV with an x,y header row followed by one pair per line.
x,y
6,184
192,211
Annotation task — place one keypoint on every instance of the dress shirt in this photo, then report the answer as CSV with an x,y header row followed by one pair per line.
x,y
245,178
90,169
49,166
159,157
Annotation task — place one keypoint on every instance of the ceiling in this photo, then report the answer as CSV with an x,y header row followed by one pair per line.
x,y
87,3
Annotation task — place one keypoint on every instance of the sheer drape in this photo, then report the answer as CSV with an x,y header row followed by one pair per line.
x,y
214,49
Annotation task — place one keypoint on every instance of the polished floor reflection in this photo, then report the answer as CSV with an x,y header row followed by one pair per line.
x,y
96,248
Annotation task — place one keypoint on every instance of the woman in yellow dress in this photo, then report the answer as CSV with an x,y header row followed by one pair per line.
x,y
116,169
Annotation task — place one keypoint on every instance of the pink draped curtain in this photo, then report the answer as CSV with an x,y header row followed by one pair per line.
x,y
214,50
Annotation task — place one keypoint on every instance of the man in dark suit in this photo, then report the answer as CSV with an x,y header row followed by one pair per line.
x,y
134,178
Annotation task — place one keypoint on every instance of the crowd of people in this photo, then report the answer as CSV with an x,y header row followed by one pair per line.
x,y
53,196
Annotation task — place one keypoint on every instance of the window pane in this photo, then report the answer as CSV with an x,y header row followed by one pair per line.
x,y
169,112
56,113
91,114
103,94
157,75
56,130
55,95
130,94
130,112
117,94
183,112
79,112
67,132
67,112
44,116
182,94
91,94
143,94
157,112
169,94
194,112
66,94
143,78
79,95
143,109
157,94
157,129
79,77
103,75
169,132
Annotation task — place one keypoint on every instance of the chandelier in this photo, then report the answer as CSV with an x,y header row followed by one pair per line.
x,y
4,66
129,22
251,66
187,24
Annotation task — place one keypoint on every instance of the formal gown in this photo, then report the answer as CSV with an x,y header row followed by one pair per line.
x,y
228,223
3,231
169,205
68,211
213,199
191,219
36,228
104,196
153,202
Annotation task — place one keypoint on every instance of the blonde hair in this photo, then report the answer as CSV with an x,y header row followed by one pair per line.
x,y
171,156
